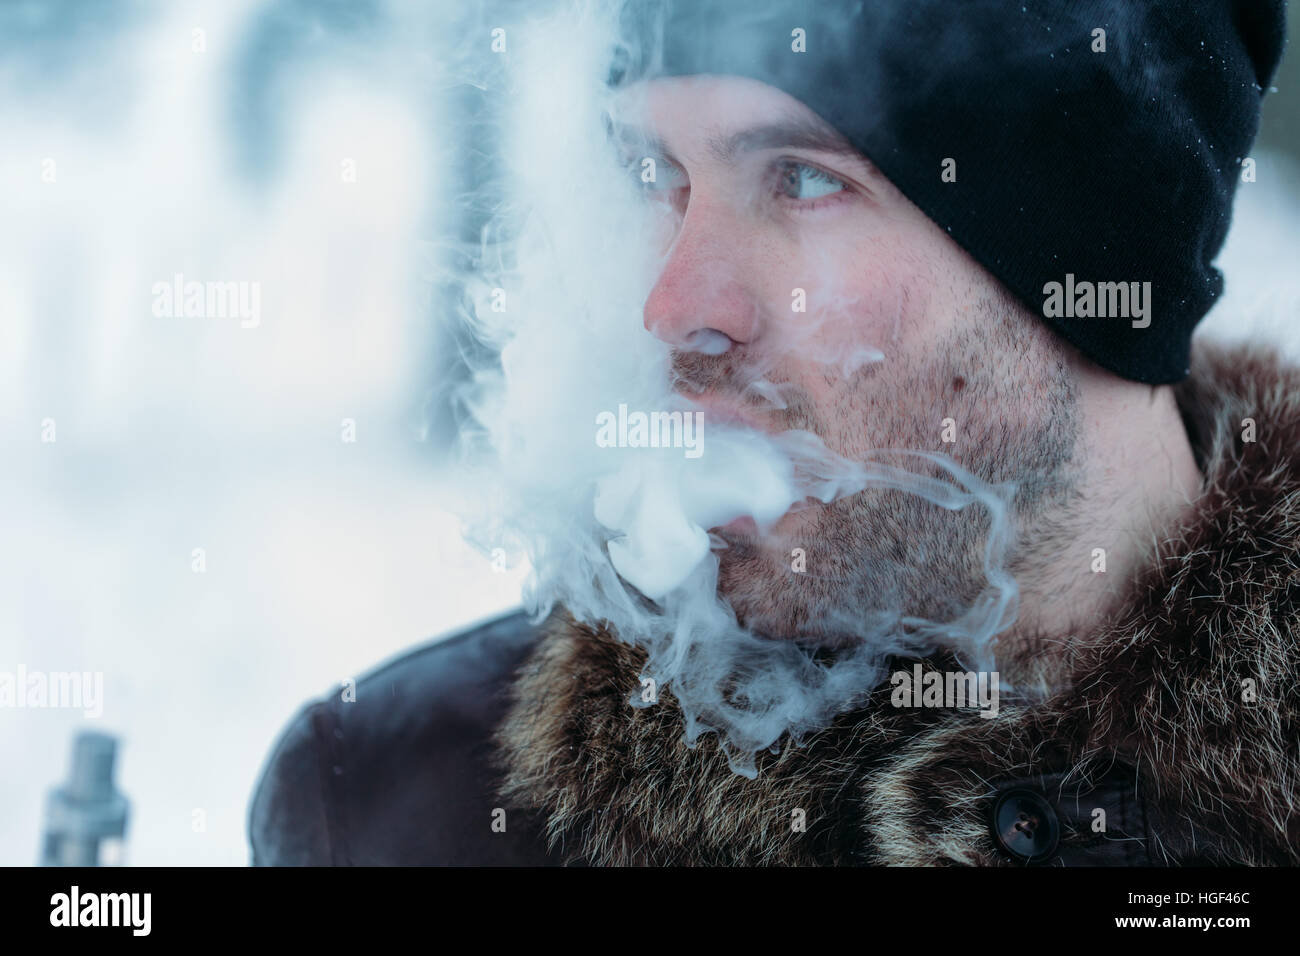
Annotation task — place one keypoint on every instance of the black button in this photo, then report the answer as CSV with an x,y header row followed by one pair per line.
x,y
1025,825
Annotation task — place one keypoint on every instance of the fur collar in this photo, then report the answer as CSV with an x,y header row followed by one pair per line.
x,y
1160,692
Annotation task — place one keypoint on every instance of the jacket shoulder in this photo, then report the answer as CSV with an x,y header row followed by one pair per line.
x,y
402,775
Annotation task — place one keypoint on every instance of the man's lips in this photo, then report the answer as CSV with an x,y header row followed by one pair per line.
x,y
719,411
728,414
744,526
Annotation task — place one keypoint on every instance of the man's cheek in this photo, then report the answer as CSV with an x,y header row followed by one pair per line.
x,y
852,337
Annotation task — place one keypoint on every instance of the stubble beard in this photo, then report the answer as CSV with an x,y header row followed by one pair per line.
x,y
885,553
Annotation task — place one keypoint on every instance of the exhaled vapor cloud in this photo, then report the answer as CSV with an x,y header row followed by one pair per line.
x,y
620,534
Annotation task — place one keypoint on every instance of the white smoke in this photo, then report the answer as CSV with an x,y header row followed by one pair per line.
x,y
621,534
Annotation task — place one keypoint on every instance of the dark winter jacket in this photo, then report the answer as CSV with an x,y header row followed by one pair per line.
x,y
1175,740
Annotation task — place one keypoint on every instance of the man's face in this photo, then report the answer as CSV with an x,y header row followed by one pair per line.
x,y
801,290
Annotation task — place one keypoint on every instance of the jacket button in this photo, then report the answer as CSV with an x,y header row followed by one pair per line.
x,y
1025,825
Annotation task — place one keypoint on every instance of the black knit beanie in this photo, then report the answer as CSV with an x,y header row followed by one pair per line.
x,y
1060,142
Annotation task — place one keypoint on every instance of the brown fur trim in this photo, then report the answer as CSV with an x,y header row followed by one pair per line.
x,y
1159,691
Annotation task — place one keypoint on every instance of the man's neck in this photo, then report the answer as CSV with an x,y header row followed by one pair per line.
x,y
1138,479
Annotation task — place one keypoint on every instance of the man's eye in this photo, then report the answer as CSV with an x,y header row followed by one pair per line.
x,y
799,181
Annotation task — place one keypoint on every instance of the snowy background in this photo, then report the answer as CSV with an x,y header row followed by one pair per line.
x,y
220,155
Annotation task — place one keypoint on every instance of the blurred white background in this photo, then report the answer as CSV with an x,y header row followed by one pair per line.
x,y
323,557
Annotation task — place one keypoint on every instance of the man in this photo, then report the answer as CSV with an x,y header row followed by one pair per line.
x,y
1008,217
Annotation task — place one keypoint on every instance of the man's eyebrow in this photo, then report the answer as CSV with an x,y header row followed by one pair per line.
x,y
788,134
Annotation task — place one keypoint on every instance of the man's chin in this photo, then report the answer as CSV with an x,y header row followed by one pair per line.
x,y
800,625
767,577
758,579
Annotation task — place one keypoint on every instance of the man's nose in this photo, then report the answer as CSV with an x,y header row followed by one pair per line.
x,y
704,288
